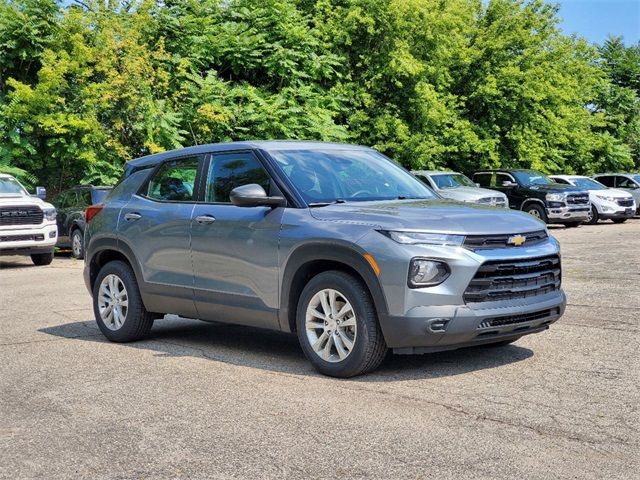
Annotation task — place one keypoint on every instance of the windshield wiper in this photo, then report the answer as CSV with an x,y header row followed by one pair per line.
x,y
324,204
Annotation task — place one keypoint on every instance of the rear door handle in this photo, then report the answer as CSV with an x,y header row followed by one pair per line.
x,y
132,217
205,219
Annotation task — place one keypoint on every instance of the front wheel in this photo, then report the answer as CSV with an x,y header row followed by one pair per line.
x,y
338,327
117,304
537,211
592,216
42,259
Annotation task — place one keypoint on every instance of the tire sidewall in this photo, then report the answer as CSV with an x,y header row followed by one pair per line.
x,y
594,216
539,209
135,308
358,296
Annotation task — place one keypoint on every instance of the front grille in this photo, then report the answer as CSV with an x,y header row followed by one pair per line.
x,y
476,242
22,238
516,319
625,202
578,199
513,279
27,215
499,201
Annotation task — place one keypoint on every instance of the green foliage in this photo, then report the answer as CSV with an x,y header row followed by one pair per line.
x,y
462,84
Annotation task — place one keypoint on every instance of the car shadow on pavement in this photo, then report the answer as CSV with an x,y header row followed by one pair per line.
x,y
280,352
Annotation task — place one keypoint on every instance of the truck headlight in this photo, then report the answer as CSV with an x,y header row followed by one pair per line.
x,y
427,273
606,199
424,238
555,197
50,214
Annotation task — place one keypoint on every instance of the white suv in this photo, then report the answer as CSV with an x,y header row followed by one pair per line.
x,y
606,203
27,223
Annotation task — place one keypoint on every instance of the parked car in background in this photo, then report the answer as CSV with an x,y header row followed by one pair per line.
x,y
538,195
629,182
71,205
606,203
27,222
457,186
334,242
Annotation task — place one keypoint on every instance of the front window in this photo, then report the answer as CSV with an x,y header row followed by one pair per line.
x,y
452,180
10,186
528,178
588,184
323,176
231,170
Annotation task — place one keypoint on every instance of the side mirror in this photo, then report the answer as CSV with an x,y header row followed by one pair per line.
x,y
253,195
509,184
41,193
477,185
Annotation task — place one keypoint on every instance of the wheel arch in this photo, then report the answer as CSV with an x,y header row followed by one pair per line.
x,y
107,250
529,201
309,260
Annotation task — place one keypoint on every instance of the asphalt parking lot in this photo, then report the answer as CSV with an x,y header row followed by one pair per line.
x,y
216,401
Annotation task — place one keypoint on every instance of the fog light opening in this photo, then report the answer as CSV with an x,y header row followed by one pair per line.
x,y
438,324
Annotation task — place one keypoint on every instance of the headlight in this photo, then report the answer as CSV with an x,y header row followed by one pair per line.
x,y
606,199
555,197
50,214
424,238
427,273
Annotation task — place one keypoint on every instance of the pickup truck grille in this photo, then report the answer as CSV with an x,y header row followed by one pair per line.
x,y
22,238
477,242
497,201
512,279
625,202
578,199
26,215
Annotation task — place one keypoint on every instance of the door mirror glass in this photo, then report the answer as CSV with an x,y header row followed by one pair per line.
x,y
253,195
509,184
41,193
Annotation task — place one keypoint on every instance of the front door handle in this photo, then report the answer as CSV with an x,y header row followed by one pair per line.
x,y
132,217
205,219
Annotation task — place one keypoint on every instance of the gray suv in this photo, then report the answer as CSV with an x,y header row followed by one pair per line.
x,y
333,242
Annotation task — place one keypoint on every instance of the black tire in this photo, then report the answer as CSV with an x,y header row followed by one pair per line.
x,y
369,347
619,220
537,211
77,250
594,216
572,224
138,321
503,343
42,259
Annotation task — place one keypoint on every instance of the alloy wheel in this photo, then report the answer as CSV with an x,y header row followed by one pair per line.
x,y
113,302
331,326
76,245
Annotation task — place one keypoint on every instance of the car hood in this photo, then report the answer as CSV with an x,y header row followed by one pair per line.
x,y
440,216
469,193
611,192
556,188
20,200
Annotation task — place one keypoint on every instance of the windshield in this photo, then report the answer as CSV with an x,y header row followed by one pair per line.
x,y
587,184
10,186
531,177
324,176
452,180
636,178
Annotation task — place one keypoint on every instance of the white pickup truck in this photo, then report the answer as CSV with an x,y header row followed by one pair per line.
x,y
27,222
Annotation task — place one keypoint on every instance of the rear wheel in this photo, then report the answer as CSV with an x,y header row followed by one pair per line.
x,y
537,211
117,304
338,327
592,216
41,259
77,244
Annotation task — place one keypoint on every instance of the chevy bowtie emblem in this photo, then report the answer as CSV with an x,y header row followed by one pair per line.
x,y
516,240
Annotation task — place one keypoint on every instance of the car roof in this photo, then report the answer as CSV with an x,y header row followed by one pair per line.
x,y
620,174
268,145
434,172
568,177
508,170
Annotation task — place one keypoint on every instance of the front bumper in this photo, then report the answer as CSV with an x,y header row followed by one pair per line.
x,y
424,332
28,241
568,214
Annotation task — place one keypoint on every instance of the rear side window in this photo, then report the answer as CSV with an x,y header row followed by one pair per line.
x,y
99,195
484,179
175,181
231,170
561,180
608,181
